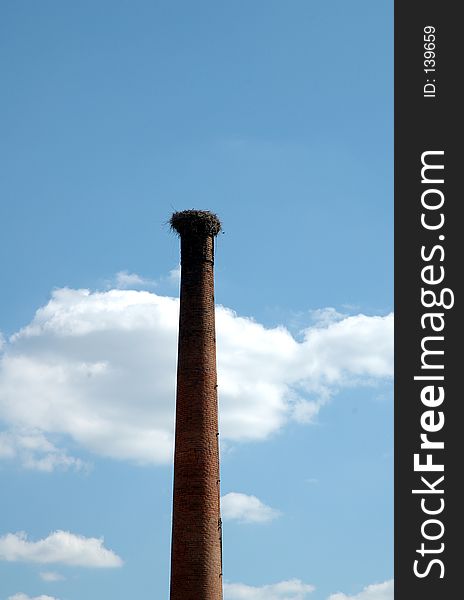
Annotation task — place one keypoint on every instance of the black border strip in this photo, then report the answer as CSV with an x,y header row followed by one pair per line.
x,y
428,119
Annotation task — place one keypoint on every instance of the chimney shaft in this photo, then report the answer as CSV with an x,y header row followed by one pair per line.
x,y
196,553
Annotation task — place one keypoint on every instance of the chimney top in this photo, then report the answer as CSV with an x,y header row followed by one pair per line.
x,y
195,223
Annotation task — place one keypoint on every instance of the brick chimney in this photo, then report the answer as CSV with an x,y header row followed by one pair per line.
x,y
196,552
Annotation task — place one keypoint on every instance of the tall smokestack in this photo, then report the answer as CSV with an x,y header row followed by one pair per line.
x,y
196,552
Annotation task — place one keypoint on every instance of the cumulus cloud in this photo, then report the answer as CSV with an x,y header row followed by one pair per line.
x,y
60,547
50,576
376,591
174,276
99,367
21,596
293,589
246,509
124,280
35,451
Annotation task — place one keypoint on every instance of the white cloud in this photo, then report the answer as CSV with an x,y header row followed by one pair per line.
x,y
21,596
35,451
51,576
60,547
293,589
125,280
376,591
246,509
174,276
100,368
326,316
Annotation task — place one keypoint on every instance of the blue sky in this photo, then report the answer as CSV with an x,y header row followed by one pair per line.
x,y
277,116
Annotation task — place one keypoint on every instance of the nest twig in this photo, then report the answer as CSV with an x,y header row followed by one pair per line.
x,y
195,222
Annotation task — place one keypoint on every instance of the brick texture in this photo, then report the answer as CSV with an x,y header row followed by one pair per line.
x,y
196,553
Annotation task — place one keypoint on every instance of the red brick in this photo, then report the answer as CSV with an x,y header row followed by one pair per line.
x,y
196,561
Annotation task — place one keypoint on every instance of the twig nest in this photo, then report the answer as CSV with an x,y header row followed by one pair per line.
x,y
195,222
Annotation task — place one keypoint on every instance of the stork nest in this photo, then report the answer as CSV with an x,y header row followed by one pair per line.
x,y
195,222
